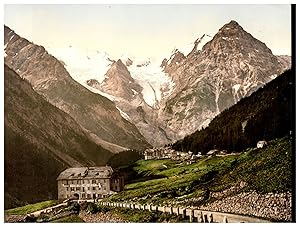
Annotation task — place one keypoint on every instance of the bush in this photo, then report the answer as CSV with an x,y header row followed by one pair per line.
x,y
74,207
103,209
92,208
30,218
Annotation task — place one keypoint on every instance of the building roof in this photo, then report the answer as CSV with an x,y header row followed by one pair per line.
x,y
86,173
212,152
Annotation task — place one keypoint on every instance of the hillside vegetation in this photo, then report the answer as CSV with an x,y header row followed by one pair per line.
x,y
266,114
165,181
30,208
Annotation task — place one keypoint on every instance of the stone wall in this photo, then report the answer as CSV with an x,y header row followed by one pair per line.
x,y
195,215
276,206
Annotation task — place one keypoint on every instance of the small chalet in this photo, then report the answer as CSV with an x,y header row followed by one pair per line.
x,y
89,182
261,144
212,152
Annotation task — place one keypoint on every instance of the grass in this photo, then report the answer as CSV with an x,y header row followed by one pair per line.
x,y
72,219
31,207
264,170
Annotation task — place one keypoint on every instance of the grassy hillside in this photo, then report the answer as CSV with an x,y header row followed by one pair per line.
x,y
39,141
31,207
267,114
265,170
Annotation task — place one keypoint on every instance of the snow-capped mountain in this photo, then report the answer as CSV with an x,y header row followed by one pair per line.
x,y
97,115
137,95
89,65
229,67
186,90
136,86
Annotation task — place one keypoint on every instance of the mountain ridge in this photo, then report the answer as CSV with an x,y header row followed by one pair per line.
x,y
49,77
264,115
40,141
230,66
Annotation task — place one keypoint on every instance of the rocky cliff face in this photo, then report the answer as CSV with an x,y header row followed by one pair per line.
x,y
129,99
229,67
204,80
48,76
119,83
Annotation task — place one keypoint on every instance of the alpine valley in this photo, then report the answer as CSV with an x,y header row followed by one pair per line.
x,y
71,107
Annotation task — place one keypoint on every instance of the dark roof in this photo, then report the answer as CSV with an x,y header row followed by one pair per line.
x,y
86,173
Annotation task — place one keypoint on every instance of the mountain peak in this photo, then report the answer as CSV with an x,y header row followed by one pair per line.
x,y
232,25
120,65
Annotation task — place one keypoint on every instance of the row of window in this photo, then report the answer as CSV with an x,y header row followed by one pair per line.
x,y
72,189
85,181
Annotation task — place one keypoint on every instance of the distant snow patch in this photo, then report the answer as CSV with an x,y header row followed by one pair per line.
x,y
236,87
186,49
155,83
123,114
134,91
11,37
81,67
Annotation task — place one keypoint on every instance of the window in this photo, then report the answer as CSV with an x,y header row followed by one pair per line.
x,y
93,181
78,181
83,189
94,188
77,188
88,188
67,189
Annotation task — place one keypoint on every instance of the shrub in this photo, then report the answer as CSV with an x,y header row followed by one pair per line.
x,y
92,208
74,207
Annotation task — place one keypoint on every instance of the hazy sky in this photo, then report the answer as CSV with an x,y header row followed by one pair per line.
x,y
145,30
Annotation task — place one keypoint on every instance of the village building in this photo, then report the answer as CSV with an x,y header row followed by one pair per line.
x,y
213,152
261,144
89,182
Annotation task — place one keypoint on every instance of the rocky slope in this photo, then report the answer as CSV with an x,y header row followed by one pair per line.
x,y
128,96
205,77
48,76
229,67
40,141
264,115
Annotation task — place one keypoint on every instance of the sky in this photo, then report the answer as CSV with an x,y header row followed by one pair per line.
x,y
145,30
